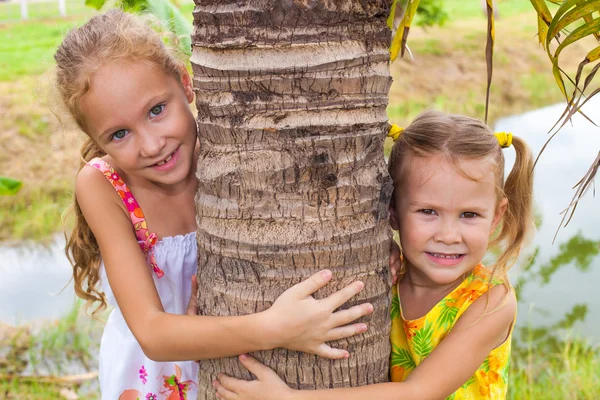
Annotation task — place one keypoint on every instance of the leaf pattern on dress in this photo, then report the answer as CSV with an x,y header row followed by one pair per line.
x,y
402,358
395,307
413,340
448,313
422,341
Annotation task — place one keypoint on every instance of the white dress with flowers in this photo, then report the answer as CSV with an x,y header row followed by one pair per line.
x,y
125,371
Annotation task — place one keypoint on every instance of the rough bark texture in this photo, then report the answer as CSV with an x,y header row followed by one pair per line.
x,y
292,98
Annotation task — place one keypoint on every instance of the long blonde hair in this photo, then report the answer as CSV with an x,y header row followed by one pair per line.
x,y
459,137
109,37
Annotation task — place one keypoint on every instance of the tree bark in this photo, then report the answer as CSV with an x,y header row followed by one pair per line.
x,y
291,98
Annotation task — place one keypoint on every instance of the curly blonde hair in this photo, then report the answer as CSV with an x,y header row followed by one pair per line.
x,y
110,37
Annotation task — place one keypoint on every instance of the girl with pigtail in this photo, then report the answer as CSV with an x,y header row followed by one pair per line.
x,y
129,92
452,317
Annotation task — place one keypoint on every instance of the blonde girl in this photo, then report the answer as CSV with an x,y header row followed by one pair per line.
x,y
130,93
452,317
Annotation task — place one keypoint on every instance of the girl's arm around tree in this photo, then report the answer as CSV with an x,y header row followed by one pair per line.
x,y
163,336
448,366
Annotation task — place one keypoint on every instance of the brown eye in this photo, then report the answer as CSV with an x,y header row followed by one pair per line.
x,y
469,215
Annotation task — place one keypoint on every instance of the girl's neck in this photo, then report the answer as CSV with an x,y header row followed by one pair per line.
x,y
418,294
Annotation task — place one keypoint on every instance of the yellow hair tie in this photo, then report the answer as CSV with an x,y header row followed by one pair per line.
x,y
395,132
504,139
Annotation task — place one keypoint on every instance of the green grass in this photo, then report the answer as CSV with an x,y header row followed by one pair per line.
x,y
11,11
570,372
67,346
34,213
28,48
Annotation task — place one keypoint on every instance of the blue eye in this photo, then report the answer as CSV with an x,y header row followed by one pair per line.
x,y
157,110
119,135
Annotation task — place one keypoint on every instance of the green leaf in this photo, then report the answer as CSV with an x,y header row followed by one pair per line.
x,y
402,358
422,340
171,17
395,307
9,186
447,314
97,4
400,36
468,383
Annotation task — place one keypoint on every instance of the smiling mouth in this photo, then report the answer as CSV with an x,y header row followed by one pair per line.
x,y
449,256
166,160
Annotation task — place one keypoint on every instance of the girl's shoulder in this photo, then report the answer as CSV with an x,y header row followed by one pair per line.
x,y
95,187
484,276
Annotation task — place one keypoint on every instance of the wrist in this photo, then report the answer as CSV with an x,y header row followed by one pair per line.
x,y
268,338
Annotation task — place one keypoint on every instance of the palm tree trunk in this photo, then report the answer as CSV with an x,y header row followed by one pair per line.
x,y
291,98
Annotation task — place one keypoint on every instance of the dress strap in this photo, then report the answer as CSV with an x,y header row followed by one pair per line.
x,y
147,240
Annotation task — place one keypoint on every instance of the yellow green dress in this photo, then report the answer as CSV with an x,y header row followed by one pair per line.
x,y
413,340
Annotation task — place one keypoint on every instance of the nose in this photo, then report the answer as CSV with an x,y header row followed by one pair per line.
x,y
448,232
151,143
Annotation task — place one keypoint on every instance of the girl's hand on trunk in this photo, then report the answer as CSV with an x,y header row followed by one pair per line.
x,y
297,321
267,386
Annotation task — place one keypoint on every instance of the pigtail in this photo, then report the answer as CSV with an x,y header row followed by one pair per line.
x,y
82,249
517,224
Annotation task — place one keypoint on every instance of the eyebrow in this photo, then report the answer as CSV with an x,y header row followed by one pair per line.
x,y
472,207
151,102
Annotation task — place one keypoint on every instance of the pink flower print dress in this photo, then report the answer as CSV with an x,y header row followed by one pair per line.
x,y
125,371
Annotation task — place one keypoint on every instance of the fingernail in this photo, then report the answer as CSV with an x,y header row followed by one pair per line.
x,y
363,328
370,307
361,284
326,274
243,356
347,355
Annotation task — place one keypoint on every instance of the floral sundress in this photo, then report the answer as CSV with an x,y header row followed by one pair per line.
x,y
413,340
125,371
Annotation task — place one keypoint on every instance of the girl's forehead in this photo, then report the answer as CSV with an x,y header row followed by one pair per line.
x,y
443,170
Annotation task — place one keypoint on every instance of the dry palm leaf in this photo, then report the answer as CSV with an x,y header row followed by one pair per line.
x,y
572,21
404,11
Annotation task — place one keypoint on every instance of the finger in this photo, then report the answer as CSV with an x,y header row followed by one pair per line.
x,y
192,308
255,367
312,284
344,317
229,383
338,298
223,392
345,332
328,352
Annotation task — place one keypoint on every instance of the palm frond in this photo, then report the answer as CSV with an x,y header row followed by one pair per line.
x,y
573,21
404,11
489,53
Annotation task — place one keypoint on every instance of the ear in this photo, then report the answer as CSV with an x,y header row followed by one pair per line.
x,y
395,224
186,82
500,210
